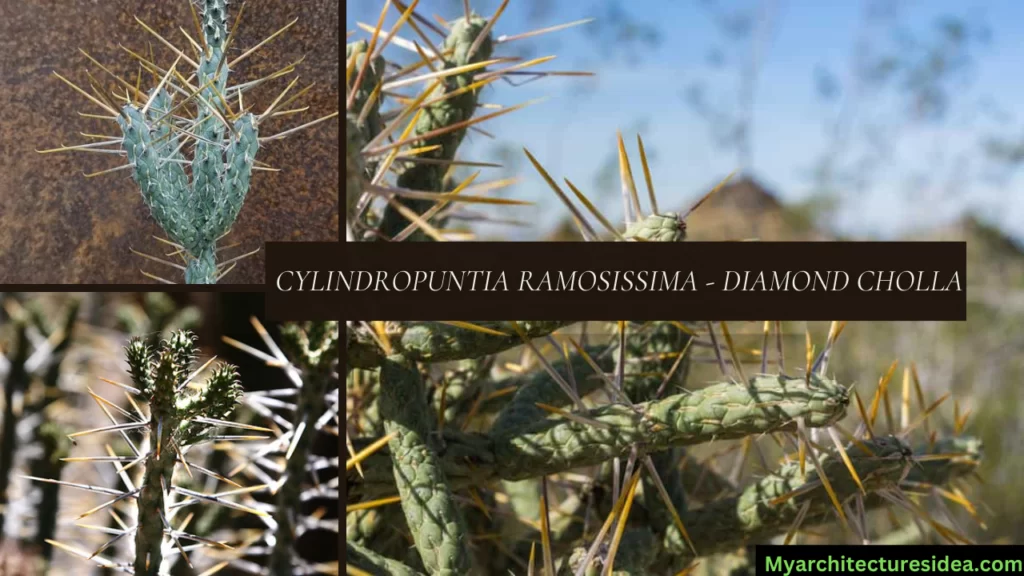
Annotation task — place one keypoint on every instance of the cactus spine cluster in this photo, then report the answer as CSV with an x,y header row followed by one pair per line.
x,y
464,451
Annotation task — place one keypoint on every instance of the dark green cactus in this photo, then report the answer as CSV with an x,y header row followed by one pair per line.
x,y
301,414
183,412
313,349
449,112
175,422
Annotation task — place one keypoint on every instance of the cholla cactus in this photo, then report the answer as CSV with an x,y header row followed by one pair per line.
x,y
654,227
195,201
294,473
182,414
604,428
452,76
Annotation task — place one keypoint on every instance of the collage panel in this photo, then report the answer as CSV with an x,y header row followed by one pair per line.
x,y
540,121
165,142
677,447
166,434
669,447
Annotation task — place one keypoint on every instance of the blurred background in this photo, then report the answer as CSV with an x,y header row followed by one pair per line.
x,y
865,120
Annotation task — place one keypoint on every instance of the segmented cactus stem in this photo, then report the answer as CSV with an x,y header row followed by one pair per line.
x,y
433,516
448,112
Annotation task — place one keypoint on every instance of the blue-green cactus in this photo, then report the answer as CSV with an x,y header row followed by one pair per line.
x,y
194,215
194,200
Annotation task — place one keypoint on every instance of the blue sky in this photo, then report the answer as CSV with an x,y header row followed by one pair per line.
x,y
573,134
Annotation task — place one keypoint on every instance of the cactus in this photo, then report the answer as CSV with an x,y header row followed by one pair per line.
x,y
182,414
294,470
451,77
195,206
606,430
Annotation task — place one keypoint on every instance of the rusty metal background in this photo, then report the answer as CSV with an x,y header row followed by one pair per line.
x,y
58,227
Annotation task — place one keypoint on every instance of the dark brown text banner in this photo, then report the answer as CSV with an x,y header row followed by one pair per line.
x,y
614,281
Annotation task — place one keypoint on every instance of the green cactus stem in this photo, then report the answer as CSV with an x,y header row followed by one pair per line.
x,y
161,376
441,114
559,444
541,388
371,122
438,528
374,563
355,170
458,387
438,342
727,523
721,411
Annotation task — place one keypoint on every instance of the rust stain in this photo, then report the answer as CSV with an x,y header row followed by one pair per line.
x,y
56,226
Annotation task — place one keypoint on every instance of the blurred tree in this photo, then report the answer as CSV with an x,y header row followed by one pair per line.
x,y
898,81
744,33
